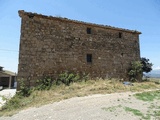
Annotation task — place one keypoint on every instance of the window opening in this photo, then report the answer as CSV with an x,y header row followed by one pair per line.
x,y
88,30
122,54
89,58
120,35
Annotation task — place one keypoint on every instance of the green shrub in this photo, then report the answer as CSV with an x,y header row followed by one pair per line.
x,y
44,84
135,71
24,89
67,78
12,103
85,77
15,102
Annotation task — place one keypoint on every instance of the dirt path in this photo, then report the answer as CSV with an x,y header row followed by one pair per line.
x,y
95,107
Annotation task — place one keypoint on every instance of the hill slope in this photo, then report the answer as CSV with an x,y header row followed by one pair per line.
x,y
154,73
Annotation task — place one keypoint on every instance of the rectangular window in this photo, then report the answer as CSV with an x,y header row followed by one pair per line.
x,y
88,30
120,35
89,58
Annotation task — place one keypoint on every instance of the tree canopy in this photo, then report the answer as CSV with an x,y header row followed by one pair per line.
x,y
146,66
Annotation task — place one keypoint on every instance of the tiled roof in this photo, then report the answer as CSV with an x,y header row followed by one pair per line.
x,y
22,12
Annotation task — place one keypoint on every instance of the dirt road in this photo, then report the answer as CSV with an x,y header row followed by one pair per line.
x,y
95,107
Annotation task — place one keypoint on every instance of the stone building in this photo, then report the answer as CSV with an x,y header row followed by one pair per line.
x,y
51,45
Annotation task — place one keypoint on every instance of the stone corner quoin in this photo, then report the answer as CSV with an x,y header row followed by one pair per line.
x,y
51,45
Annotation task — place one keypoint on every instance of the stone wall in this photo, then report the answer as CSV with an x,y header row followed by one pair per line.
x,y
51,45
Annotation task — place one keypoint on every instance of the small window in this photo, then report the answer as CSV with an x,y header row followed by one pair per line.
x,y
122,54
88,30
120,35
89,58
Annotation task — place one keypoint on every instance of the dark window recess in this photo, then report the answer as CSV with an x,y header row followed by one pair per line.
x,y
120,35
88,30
89,58
122,54
31,16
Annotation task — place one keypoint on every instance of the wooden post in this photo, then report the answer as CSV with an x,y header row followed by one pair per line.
x,y
15,81
10,81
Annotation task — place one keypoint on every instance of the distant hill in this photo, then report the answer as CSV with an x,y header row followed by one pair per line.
x,y
154,73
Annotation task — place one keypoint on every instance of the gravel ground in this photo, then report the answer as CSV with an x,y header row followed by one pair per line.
x,y
95,107
7,93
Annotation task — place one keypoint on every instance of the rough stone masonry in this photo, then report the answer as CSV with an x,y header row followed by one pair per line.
x,y
51,45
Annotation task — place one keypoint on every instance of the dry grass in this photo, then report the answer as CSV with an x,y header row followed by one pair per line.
x,y
58,93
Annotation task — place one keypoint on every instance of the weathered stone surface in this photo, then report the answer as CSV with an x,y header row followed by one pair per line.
x,y
51,45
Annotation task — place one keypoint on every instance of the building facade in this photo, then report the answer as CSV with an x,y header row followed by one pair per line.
x,y
7,78
51,45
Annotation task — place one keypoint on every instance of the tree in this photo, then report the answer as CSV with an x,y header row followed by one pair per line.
x,y
137,67
146,66
135,71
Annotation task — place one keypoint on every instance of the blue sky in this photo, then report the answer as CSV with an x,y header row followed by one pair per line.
x,y
141,15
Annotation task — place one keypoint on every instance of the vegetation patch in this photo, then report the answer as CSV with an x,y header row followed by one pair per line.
x,y
128,109
153,109
138,67
137,113
148,96
111,109
156,80
151,96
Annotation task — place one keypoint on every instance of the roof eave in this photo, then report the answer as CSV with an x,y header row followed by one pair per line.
x,y
22,13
